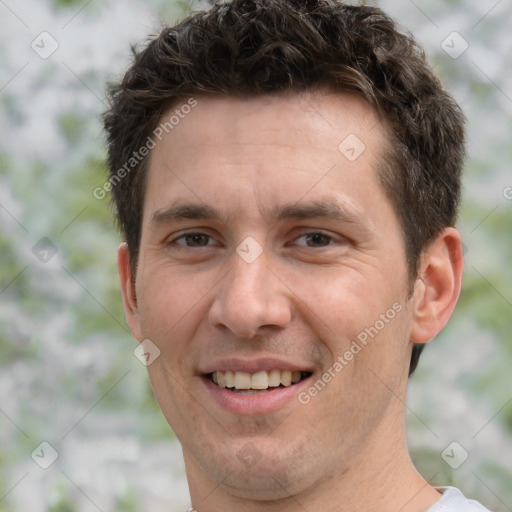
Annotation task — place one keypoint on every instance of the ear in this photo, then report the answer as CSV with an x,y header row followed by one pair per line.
x,y
131,310
438,286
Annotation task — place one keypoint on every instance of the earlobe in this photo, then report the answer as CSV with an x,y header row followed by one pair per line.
x,y
438,287
128,290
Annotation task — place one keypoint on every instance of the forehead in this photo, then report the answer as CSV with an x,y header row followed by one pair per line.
x,y
291,117
266,147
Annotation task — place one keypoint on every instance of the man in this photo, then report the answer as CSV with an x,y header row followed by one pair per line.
x,y
286,176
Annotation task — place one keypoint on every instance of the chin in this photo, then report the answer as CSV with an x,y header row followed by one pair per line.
x,y
259,470
263,483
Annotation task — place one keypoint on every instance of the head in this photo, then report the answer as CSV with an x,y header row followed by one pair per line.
x,y
266,96
242,50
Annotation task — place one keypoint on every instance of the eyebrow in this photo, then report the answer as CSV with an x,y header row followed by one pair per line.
x,y
185,211
311,210
318,209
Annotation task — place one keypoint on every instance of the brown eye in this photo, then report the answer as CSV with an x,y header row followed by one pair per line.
x,y
194,240
318,240
314,240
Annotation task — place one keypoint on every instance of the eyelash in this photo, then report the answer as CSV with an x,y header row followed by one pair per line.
x,y
309,233
173,241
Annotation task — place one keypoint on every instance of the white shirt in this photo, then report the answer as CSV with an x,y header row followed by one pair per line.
x,y
454,501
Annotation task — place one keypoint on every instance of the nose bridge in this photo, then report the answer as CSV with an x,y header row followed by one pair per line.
x,y
250,298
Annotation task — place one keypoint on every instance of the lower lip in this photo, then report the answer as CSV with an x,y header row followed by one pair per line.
x,y
264,403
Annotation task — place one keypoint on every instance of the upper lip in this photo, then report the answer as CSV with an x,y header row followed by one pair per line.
x,y
238,364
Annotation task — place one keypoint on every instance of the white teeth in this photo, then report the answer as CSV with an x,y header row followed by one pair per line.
x,y
242,380
230,379
286,378
274,378
257,381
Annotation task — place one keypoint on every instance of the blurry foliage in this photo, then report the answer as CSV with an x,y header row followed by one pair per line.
x,y
48,361
68,3
71,128
128,503
185,6
63,505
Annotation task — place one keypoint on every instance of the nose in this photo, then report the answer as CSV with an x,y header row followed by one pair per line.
x,y
251,297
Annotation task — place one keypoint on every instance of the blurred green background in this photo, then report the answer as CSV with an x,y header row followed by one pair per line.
x,y
67,371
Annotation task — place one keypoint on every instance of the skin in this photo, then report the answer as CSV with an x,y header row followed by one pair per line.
x,y
304,299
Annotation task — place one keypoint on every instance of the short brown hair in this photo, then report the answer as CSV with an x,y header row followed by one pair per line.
x,y
255,47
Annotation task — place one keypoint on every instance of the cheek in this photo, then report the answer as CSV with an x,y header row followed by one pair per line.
x,y
169,300
343,300
359,316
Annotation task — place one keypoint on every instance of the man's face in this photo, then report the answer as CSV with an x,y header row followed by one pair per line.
x,y
269,244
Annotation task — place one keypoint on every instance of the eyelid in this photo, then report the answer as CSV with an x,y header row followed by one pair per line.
x,y
181,234
303,232
312,231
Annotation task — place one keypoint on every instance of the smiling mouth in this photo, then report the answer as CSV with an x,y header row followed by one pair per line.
x,y
245,383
